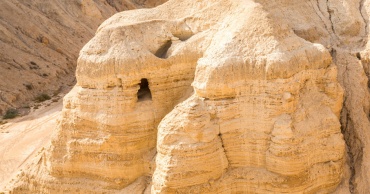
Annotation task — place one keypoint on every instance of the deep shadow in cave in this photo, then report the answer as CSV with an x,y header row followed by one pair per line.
x,y
144,91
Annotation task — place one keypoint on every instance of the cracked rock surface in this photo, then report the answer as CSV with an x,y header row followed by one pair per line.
x,y
223,96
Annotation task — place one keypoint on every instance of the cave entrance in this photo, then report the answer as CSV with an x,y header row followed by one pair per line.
x,y
144,91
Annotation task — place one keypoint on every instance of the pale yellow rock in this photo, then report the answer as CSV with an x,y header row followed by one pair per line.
x,y
242,97
40,41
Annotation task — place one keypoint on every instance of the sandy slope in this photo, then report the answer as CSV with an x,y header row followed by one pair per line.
x,y
22,138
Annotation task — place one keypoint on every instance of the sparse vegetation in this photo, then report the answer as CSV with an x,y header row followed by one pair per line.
x,y
29,86
56,92
10,113
42,97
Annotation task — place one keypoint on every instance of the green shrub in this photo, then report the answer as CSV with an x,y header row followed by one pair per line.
x,y
10,113
42,97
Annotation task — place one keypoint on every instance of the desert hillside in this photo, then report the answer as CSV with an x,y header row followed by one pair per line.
x,y
221,96
40,41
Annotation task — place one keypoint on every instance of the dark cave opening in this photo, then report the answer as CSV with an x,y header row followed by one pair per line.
x,y
144,92
358,55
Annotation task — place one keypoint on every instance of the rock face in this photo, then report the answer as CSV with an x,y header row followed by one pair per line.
x,y
40,41
224,96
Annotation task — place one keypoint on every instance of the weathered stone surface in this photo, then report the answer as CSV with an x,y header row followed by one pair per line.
x,y
242,97
40,41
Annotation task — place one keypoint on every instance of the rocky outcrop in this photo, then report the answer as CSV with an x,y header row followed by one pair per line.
x,y
215,97
40,42
343,28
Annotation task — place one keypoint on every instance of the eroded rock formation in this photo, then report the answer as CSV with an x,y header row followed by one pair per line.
x,y
40,41
216,96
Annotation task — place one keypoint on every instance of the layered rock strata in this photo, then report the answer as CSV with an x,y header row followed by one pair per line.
x,y
40,42
211,97
343,27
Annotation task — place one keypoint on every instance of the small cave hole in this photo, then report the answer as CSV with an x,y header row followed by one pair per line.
x,y
358,55
144,91
162,51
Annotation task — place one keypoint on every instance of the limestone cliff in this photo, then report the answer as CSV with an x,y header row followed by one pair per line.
x,y
222,96
40,41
